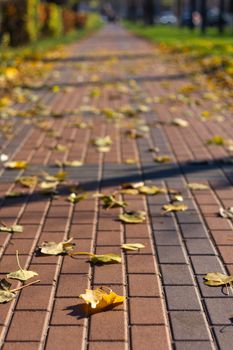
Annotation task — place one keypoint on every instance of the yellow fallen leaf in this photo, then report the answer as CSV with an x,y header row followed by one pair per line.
x,y
99,300
53,248
27,181
197,186
20,164
101,258
216,140
172,207
180,122
132,246
151,190
133,217
162,159
21,274
217,279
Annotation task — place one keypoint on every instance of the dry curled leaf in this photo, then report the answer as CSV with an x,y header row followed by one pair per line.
x,y
27,181
99,300
216,140
102,143
100,258
21,274
180,122
197,186
11,229
73,163
151,190
53,248
20,164
226,213
7,294
133,185
217,279
174,207
133,217
162,159
77,197
132,246
110,202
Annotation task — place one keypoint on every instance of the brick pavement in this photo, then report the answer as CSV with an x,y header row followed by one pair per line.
x,y
167,305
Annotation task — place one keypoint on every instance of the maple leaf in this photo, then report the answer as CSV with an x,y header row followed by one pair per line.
x,y
99,300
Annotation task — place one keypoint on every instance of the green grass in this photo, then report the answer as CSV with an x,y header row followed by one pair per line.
x,y
171,36
46,44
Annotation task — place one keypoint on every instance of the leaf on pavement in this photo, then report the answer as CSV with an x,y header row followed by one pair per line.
x,y
99,300
110,202
133,217
217,279
174,207
11,229
27,181
77,197
7,294
16,164
151,190
21,274
197,186
162,159
226,213
216,140
53,248
180,122
132,246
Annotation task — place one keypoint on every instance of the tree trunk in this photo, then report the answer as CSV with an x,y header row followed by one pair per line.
x,y
131,10
221,16
204,16
179,11
148,11
192,9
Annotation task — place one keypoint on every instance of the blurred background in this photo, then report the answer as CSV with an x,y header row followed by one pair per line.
x,y
23,21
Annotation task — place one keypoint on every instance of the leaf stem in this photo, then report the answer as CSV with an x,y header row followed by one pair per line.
x,y
17,258
81,253
26,285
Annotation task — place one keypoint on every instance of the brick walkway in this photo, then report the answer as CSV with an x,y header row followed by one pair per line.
x,y
167,306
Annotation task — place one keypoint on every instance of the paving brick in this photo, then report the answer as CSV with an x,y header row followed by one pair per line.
x,y
22,245
69,338
71,285
203,264
103,324
140,264
193,231
108,274
20,346
163,223
143,285
166,237
219,310
189,216
26,326
171,254
222,237
81,231
200,345
146,311
218,223
68,311
224,336
136,231
144,336
189,325
182,298
99,345
200,246
176,274
108,238
55,225
226,253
